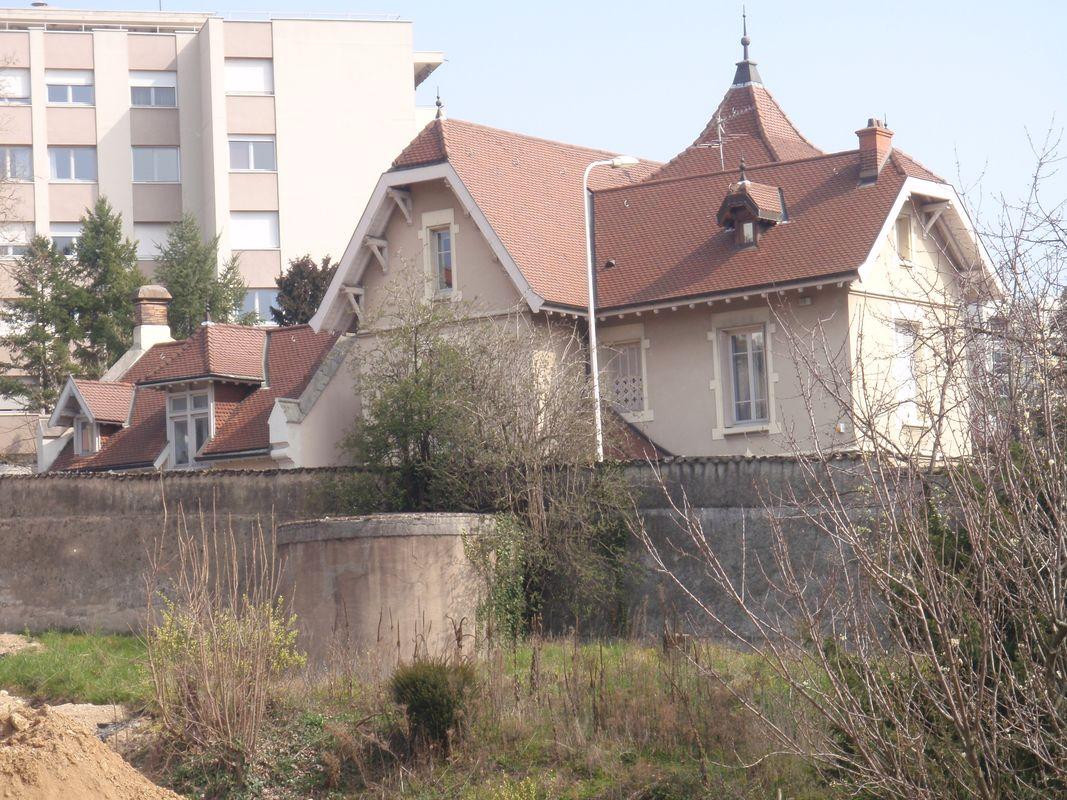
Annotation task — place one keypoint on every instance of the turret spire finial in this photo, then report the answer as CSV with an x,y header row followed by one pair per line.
x,y
744,177
745,41
440,106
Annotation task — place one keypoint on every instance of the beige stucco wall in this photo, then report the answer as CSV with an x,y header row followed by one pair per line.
x,y
158,126
16,199
113,133
68,50
152,51
17,125
250,114
14,49
248,40
260,267
154,202
253,191
67,201
71,125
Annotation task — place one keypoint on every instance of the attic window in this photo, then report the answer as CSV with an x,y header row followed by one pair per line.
x,y
86,441
748,233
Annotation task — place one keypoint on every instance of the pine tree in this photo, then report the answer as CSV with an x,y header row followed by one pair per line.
x,y
42,326
188,267
301,289
108,276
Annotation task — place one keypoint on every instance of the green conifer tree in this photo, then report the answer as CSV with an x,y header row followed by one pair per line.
x,y
41,326
108,276
301,289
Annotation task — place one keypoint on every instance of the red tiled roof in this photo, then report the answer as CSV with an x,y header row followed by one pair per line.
x,y
754,128
108,401
666,244
223,350
292,354
530,190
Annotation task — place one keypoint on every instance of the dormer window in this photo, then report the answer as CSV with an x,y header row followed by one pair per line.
x,y
750,209
86,437
748,233
189,424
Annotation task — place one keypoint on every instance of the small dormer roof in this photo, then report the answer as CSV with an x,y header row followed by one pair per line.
x,y
99,401
763,202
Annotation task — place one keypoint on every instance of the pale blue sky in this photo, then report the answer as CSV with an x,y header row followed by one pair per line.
x,y
639,77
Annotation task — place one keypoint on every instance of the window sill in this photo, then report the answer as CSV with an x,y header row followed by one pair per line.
x,y
162,108
70,105
755,427
19,102
73,181
253,172
250,94
635,417
157,183
256,249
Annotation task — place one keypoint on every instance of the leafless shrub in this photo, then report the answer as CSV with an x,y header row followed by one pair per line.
x,y
218,634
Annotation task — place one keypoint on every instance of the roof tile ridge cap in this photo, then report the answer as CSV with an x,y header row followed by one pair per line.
x,y
749,169
893,152
557,142
179,347
786,117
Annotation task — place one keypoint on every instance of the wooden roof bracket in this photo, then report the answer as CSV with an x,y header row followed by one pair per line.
x,y
379,249
402,198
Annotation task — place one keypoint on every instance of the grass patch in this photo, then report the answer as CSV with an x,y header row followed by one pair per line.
x,y
79,668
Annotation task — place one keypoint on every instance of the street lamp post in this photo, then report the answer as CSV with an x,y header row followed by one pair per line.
x,y
614,163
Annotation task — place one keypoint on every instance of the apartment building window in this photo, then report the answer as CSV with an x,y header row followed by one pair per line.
x,y
252,154
15,239
442,255
254,230
16,163
69,87
65,236
153,89
259,302
14,86
156,165
73,163
150,236
249,76
188,423
748,374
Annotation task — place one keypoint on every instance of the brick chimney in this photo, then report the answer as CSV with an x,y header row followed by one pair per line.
x,y
150,325
876,140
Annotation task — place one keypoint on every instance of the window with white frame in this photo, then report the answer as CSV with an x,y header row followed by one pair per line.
x,y
86,437
14,86
188,424
626,376
65,236
903,237
905,370
16,163
70,87
259,302
254,230
153,89
253,154
73,163
249,76
150,236
156,165
442,258
748,375
15,239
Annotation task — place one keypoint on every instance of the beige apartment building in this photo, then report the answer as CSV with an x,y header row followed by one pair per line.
x,y
271,131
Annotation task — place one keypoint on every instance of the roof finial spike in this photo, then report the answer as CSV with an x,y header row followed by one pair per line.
x,y
440,106
745,41
744,177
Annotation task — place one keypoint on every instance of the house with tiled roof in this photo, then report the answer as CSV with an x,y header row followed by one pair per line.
x,y
201,402
733,284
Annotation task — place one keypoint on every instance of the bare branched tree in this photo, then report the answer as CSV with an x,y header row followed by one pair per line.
x,y
929,645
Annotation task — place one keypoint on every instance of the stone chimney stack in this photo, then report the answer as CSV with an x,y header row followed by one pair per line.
x,y
150,325
876,140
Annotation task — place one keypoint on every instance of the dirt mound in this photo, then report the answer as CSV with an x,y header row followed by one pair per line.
x,y
45,755
11,643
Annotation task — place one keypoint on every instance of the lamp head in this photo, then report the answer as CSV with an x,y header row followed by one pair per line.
x,y
623,161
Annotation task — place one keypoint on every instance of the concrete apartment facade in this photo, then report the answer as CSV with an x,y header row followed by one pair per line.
x,y
272,132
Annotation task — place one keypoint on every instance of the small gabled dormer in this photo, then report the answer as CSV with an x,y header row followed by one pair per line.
x,y
750,209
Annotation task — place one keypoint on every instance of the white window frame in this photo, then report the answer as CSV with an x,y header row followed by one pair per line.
x,y
276,230
67,79
748,233
907,259
71,230
249,140
71,161
757,384
721,385
264,317
15,239
232,65
906,370
612,337
141,236
81,423
22,79
432,222
155,163
6,163
153,80
189,416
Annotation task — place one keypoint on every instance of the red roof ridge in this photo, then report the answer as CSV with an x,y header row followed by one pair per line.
x,y
446,123
753,169
768,136
896,153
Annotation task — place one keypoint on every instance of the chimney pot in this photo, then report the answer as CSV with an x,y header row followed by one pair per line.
x,y
876,142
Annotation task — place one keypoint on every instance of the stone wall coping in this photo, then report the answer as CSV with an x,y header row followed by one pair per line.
x,y
373,526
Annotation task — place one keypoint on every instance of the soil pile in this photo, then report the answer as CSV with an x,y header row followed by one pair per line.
x,y
45,755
